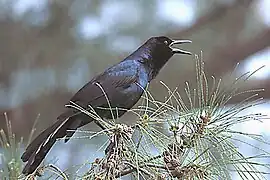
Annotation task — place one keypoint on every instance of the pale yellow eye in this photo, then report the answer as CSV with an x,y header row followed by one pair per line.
x,y
166,42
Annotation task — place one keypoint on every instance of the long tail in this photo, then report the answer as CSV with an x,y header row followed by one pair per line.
x,y
40,146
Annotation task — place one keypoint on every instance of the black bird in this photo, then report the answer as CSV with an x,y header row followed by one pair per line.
x,y
123,84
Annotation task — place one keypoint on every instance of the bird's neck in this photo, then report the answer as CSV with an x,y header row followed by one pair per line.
x,y
151,61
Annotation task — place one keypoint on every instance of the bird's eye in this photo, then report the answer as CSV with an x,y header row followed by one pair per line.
x,y
166,42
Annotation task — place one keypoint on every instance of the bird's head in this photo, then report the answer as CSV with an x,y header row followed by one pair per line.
x,y
156,51
165,45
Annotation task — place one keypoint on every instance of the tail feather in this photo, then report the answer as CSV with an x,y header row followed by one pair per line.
x,y
37,150
40,146
35,144
75,124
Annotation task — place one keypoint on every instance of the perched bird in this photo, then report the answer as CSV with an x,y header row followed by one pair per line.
x,y
122,84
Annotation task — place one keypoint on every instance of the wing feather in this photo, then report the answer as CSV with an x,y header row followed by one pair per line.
x,y
92,94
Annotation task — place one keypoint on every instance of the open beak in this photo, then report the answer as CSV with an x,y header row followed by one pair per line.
x,y
176,50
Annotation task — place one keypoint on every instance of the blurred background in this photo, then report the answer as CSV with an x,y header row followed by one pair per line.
x,y
51,48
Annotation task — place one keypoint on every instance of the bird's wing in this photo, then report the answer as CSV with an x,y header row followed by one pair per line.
x,y
94,93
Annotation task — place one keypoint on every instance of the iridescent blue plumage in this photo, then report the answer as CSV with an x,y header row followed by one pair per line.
x,y
122,84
